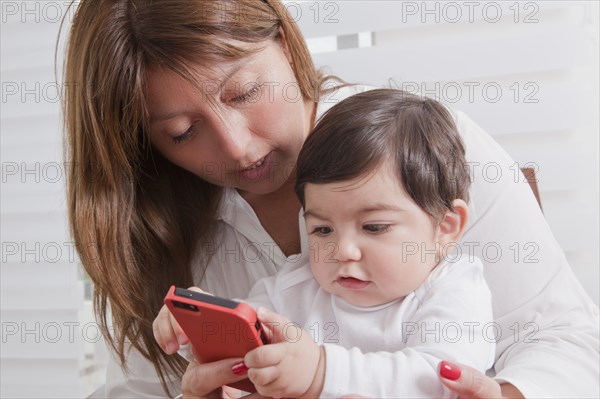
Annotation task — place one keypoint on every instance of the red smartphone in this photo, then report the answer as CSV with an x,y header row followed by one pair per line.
x,y
217,328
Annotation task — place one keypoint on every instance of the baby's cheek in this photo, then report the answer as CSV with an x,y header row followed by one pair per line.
x,y
320,273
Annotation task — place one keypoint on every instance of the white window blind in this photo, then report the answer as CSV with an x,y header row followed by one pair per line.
x,y
42,300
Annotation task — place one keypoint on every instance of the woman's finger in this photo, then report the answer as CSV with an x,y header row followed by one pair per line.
x,y
231,393
202,380
255,395
199,290
468,382
163,331
180,335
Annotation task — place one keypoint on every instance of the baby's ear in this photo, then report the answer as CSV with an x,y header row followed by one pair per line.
x,y
452,225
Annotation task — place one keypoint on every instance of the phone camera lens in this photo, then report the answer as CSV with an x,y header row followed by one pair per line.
x,y
186,306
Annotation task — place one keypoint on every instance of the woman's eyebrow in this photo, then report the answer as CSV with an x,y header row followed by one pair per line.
x,y
164,117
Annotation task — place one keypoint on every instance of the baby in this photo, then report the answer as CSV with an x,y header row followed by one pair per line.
x,y
380,293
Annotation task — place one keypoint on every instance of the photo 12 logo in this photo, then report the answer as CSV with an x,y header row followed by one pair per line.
x,y
53,12
468,11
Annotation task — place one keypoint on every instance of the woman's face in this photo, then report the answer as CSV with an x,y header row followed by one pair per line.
x,y
244,130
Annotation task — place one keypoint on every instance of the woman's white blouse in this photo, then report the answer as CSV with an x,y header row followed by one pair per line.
x,y
547,326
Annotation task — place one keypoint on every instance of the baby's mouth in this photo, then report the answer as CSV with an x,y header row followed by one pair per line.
x,y
352,283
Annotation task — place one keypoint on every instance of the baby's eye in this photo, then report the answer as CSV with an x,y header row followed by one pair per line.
x,y
322,231
377,228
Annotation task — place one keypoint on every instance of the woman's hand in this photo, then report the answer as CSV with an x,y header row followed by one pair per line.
x,y
167,332
208,380
275,369
468,382
292,365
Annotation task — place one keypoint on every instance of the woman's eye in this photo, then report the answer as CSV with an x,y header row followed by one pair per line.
x,y
377,228
252,95
322,231
185,136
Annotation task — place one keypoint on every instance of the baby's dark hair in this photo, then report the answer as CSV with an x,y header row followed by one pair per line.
x,y
416,134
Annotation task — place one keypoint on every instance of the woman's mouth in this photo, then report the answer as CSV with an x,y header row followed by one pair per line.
x,y
256,165
259,170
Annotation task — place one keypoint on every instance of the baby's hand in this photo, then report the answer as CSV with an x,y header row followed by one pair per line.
x,y
167,332
291,366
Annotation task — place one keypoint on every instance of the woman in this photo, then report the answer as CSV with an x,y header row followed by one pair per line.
x,y
183,131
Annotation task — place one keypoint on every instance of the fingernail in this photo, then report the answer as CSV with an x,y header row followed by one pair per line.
x,y
182,339
239,368
172,348
449,371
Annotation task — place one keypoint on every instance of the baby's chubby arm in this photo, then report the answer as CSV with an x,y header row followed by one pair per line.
x,y
292,365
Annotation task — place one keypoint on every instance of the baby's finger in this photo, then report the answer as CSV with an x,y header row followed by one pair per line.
x,y
265,356
276,326
264,378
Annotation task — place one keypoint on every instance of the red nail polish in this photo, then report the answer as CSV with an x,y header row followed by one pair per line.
x,y
449,371
239,368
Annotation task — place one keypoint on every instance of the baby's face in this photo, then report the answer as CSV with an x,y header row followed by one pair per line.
x,y
370,242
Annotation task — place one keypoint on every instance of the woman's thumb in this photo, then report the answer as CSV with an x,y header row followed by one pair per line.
x,y
468,382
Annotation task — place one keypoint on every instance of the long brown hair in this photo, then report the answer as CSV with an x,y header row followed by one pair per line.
x,y
417,135
137,218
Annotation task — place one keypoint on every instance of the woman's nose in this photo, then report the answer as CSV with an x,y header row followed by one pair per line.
x,y
233,138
